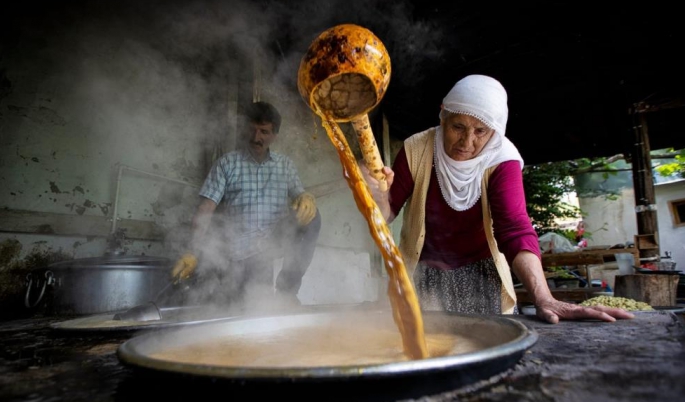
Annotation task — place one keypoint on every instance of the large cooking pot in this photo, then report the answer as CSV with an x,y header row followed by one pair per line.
x,y
96,285
495,343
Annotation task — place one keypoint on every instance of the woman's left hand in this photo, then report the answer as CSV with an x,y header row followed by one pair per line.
x,y
554,310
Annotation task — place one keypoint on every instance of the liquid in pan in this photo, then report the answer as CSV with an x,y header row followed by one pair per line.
x,y
310,347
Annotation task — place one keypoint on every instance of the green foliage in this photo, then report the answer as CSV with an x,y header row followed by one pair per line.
x,y
569,234
591,184
545,186
673,168
561,272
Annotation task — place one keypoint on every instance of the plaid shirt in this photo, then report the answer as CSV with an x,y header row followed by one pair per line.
x,y
254,197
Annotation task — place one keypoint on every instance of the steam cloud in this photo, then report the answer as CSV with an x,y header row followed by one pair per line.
x,y
166,65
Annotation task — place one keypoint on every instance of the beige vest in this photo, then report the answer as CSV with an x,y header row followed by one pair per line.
x,y
419,150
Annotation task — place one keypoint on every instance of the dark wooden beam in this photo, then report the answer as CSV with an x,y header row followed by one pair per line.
x,y
643,182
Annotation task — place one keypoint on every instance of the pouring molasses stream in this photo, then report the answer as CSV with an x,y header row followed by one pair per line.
x,y
344,75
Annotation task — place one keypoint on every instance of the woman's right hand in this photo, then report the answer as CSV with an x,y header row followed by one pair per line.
x,y
373,183
381,197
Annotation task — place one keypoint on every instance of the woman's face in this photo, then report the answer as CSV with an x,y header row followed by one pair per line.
x,y
464,136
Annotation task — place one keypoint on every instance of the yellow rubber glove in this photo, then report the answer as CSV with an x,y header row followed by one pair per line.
x,y
185,266
305,205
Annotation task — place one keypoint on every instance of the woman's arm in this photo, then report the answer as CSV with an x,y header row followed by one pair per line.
x,y
528,269
517,239
513,228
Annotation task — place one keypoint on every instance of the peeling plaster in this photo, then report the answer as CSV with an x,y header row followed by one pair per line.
x,y
54,188
187,170
80,209
41,114
158,208
10,249
26,158
78,244
5,84
170,196
45,229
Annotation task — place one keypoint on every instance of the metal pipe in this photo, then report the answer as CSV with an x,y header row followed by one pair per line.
x,y
118,187
116,201
161,177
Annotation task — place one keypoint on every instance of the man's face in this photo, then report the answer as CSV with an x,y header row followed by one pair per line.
x,y
260,136
464,136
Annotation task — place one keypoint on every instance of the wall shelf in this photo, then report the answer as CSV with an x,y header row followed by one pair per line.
x,y
646,242
587,257
594,256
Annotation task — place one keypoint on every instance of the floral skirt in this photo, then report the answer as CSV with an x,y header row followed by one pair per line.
x,y
471,289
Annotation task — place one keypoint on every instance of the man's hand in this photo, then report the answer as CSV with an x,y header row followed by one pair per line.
x,y
185,266
305,206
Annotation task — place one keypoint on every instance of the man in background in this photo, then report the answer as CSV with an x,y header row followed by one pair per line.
x,y
253,210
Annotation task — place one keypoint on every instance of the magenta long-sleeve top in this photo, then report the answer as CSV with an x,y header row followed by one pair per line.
x,y
457,238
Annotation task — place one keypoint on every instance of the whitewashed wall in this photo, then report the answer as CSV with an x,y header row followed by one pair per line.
x,y
615,222
81,101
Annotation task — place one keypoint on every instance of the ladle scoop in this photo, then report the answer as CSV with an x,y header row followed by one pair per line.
x,y
145,312
343,76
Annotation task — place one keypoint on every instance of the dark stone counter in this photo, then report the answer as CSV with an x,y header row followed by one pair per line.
x,y
633,360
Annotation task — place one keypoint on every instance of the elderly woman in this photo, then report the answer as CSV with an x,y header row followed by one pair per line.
x,y
465,221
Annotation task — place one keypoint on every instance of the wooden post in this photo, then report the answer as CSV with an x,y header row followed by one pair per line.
x,y
643,182
653,289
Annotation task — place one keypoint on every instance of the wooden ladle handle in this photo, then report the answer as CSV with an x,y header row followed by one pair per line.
x,y
367,143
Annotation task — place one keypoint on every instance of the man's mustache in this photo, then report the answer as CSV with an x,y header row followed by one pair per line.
x,y
257,143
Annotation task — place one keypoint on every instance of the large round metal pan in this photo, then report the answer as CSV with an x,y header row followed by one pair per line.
x,y
171,317
501,343
180,316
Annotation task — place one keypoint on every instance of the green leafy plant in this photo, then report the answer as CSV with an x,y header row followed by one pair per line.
x,y
596,173
561,273
569,234
545,186
674,168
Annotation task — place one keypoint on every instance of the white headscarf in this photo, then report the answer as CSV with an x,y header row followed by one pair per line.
x,y
485,99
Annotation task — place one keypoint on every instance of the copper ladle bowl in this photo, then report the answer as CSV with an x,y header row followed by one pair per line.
x,y
342,77
345,72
